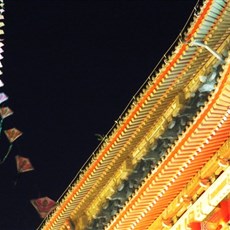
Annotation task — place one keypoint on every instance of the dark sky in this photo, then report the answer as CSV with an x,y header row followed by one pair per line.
x,y
70,69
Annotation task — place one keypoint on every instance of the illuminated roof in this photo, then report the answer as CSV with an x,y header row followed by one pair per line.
x,y
189,93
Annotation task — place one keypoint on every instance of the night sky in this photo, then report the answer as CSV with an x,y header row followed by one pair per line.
x,y
70,68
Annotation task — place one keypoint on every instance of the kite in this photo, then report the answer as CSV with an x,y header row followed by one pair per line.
x,y
3,97
12,135
4,113
1,83
23,164
43,205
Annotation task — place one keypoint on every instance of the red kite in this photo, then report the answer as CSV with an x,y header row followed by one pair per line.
x,y
12,134
3,97
5,112
43,205
23,164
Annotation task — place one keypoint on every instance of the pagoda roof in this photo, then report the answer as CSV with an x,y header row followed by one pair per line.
x,y
153,110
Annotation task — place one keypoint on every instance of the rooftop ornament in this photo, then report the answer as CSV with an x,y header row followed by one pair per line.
x,y
213,52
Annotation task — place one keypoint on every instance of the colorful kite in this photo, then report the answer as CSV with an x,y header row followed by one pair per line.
x,y
5,112
23,164
43,205
3,97
12,135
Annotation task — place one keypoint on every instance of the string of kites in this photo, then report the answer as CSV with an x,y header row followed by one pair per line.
x,y
43,205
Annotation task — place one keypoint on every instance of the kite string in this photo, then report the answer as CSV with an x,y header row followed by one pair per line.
x,y
1,126
7,154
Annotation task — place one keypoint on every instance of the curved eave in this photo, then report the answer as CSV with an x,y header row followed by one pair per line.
x,y
180,206
156,95
207,201
198,144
